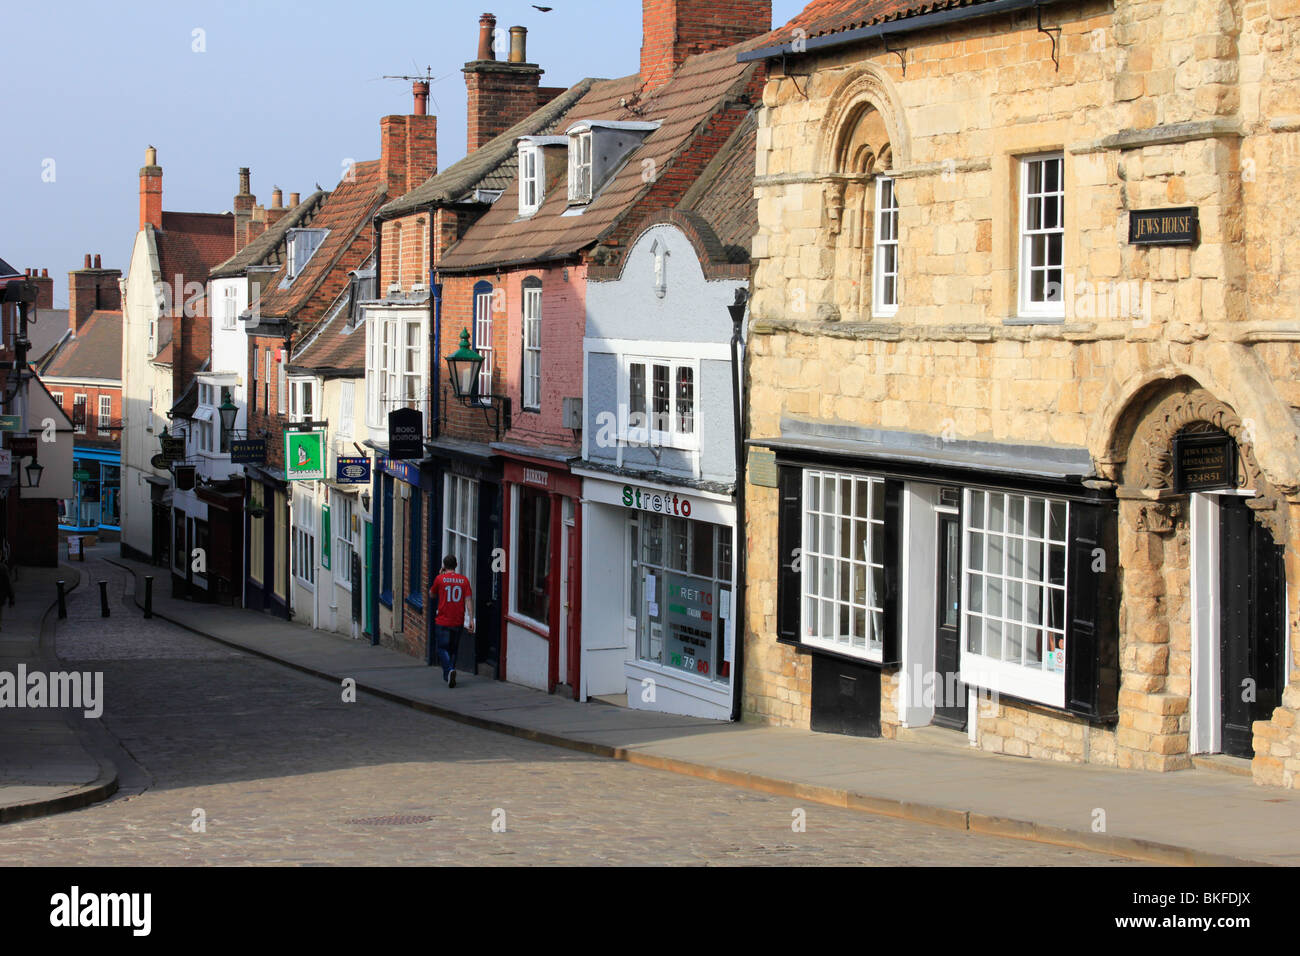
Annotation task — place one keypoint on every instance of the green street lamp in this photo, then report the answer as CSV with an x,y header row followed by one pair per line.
x,y
465,365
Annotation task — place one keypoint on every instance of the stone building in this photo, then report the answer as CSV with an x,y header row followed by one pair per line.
x,y
1023,352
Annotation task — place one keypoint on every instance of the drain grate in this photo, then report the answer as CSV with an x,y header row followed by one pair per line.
x,y
393,820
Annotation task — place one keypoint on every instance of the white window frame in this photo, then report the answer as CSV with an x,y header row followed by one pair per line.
x,y
300,247
636,431
516,498
1028,306
341,514
532,181
298,388
282,383
581,187
460,521
82,399
886,242
821,594
387,378
482,344
1017,679
347,410
304,541
533,348
228,310
104,415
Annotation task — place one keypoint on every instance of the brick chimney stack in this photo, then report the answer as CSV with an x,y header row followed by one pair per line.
x,y
151,190
89,288
244,202
672,30
408,145
500,93
44,288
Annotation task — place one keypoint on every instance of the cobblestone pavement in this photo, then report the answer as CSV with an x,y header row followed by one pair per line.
x,y
283,771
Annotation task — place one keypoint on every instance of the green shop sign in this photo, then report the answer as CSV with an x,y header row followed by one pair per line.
x,y
325,537
304,456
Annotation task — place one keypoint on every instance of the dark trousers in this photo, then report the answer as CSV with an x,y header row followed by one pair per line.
x,y
447,641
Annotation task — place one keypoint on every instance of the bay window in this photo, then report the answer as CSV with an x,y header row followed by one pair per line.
x,y
396,374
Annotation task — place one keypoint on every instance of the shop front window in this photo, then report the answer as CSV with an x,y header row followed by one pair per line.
x,y
682,594
1014,601
460,533
532,597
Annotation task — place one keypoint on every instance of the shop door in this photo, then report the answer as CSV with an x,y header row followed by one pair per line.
x,y
949,692
1252,636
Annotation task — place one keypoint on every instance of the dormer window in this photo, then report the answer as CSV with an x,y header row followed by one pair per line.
x,y
301,245
598,149
532,180
580,167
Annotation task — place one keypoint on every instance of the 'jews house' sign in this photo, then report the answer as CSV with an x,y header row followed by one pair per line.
x,y
1205,462
1163,227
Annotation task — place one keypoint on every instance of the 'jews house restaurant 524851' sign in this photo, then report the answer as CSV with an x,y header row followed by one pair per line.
x,y
1205,462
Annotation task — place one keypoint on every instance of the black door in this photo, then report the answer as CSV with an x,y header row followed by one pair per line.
x,y
949,693
485,648
1252,640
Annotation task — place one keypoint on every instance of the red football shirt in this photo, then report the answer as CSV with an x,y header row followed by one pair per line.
x,y
450,589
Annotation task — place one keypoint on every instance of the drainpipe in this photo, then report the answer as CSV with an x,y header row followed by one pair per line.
x,y
737,310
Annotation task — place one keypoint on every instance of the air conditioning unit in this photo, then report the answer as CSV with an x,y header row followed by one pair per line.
x,y
572,411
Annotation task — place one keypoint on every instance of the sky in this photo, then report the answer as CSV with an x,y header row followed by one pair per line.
x,y
292,90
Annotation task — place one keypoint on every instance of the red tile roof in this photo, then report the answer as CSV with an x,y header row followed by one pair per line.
x,y
821,17
190,245
346,213
684,106
95,353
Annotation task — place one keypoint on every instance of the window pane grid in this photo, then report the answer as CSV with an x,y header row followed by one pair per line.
x,y
483,342
843,561
1042,231
1015,573
533,348
886,246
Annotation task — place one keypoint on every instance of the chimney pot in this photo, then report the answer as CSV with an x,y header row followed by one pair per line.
x,y
45,273
487,25
151,156
97,265
518,44
243,180
277,198
293,200
420,93
87,260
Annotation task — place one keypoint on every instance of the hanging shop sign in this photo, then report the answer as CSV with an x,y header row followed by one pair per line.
x,y
352,471
81,475
11,423
1164,227
405,434
248,451
304,455
1205,462
173,449
23,446
6,462
185,477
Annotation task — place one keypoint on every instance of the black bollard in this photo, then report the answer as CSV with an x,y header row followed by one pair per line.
x,y
148,595
103,599
63,604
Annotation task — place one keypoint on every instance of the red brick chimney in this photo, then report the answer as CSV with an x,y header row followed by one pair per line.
x,y
244,202
408,145
89,288
151,190
500,93
44,288
672,30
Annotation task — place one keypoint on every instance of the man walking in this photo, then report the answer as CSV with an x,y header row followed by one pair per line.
x,y
455,598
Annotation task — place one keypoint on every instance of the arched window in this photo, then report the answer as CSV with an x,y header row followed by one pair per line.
x,y
863,214
532,343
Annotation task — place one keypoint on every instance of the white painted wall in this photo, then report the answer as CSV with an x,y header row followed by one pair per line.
x,y
606,638
527,658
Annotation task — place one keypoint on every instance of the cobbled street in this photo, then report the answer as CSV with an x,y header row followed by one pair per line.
x,y
282,771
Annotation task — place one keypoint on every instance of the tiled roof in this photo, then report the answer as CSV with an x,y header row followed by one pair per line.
x,y
723,196
335,348
190,245
823,17
696,92
95,353
261,250
345,213
491,166
45,334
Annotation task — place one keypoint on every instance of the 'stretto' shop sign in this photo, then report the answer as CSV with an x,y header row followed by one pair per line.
x,y
656,502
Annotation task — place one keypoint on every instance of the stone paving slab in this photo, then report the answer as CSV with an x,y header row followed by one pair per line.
x,y
1192,816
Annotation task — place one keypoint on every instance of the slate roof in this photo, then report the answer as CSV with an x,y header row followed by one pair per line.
x,y
264,248
46,334
95,353
723,196
701,87
494,164
191,244
345,213
7,271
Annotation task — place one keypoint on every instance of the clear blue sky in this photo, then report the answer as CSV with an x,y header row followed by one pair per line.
x,y
290,89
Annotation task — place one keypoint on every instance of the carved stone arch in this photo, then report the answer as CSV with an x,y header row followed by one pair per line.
x,y
865,87
1182,406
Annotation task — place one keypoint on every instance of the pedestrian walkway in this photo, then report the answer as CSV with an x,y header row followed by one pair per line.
x,y
1189,817
48,761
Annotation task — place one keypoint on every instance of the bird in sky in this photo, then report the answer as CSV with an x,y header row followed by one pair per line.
x,y
543,9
